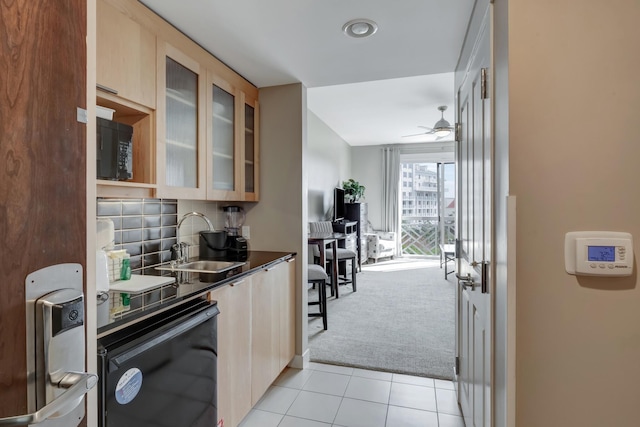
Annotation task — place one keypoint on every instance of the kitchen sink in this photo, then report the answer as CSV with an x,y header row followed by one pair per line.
x,y
203,266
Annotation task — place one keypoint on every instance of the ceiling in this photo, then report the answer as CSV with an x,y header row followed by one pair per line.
x,y
369,91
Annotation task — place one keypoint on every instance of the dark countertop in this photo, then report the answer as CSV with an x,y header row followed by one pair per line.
x,y
112,317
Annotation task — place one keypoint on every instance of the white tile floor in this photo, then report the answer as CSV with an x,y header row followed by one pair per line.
x,y
328,395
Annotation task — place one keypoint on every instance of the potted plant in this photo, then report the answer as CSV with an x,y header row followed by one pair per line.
x,y
353,190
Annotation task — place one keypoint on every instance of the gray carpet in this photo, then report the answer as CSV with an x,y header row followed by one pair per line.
x,y
399,320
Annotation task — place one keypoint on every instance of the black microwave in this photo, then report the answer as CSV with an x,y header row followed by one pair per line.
x,y
114,150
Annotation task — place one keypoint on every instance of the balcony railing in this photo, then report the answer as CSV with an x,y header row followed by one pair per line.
x,y
421,235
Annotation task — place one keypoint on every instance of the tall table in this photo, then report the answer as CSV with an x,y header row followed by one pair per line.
x,y
323,240
448,252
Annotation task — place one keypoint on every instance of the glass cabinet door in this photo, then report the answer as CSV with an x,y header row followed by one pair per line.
x,y
181,125
223,140
224,171
250,150
181,136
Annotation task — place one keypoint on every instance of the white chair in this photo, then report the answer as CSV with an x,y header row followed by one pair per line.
x,y
381,244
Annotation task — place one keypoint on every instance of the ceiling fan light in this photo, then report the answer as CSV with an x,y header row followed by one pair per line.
x,y
442,132
442,124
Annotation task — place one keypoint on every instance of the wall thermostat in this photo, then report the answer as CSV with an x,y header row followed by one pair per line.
x,y
598,253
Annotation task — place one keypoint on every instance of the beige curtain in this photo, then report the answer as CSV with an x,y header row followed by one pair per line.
x,y
391,193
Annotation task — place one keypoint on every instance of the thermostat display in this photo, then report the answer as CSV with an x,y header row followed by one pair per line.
x,y
601,253
598,253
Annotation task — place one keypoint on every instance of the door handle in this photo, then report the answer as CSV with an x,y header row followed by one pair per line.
x,y
77,385
466,281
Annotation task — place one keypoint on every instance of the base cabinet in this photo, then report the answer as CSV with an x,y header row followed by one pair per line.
x,y
272,325
265,324
256,337
234,351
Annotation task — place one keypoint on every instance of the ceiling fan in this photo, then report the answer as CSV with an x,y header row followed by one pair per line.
x,y
441,129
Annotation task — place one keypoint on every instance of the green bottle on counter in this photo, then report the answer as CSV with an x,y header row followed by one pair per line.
x,y
125,271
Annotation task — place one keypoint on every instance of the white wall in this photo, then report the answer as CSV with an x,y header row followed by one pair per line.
x,y
366,168
329,163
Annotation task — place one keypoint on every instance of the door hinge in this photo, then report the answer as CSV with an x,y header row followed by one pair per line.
x,y
484,90
458,131
457,365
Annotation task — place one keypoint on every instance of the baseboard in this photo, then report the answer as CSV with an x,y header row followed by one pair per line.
x,y
301,361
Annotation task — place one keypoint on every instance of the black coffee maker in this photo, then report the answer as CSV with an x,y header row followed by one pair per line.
x,y
234,219
213,244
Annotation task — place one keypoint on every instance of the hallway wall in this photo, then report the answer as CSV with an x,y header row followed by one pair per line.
x,y
571,115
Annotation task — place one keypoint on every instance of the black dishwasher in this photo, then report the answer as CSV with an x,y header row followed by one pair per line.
x,y
161,371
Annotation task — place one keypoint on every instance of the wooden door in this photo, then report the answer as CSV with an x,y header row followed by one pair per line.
x,y
43,61
475,150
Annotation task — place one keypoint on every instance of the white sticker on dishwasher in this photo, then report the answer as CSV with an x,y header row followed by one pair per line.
x,y
128,386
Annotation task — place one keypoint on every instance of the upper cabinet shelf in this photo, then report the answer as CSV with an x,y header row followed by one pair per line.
x,y
126,55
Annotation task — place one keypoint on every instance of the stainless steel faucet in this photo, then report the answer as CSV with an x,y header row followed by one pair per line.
x,y
181,249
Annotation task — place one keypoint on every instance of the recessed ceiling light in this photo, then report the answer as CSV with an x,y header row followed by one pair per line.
x,y
360,28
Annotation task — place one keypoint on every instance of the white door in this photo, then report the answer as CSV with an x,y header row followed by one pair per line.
x,y
474,293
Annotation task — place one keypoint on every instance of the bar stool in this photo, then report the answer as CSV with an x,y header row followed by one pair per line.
x,y
317,274
344,255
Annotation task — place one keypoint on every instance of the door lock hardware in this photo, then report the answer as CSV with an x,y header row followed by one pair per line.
x,y
466,281
55,344
77,385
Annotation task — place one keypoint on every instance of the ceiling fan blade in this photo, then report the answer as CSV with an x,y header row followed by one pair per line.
x,y
415,134
427,128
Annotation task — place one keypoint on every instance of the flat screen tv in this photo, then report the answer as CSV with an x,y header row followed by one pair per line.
x,y
338,204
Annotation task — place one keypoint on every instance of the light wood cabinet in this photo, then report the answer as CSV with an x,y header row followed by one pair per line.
x,y
265,331
126,78
233,144
234,350
196,133
272,325
256,337
181,138
126,60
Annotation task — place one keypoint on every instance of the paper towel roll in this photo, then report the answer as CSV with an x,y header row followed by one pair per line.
x,y
105,233
102,272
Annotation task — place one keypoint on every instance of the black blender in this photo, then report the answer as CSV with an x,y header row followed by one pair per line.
x,y
237,245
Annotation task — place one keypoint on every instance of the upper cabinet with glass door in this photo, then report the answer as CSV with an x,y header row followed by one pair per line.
x,y
250,149
180,125
232,164
223,170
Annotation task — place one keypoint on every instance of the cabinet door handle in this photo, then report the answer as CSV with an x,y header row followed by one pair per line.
x,y
236,283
